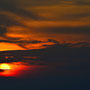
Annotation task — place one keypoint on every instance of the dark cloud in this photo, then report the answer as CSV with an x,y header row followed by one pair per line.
x,y
76,16
24,13
54,41
13,7
28,41
82,2
7,21
66,30
79,44
42,2
7,41
58,52
79,2
2,31
22,43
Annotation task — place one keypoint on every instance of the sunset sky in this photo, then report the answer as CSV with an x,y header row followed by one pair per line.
x,y
44,44
28,24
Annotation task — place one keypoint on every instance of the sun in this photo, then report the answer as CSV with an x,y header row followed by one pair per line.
x,y
5,67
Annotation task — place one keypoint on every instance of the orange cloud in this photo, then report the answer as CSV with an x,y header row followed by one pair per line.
x,y
9,46
54,16
61,12
40,24
38,45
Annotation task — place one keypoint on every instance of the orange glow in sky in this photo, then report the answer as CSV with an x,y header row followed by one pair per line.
x,y
18,69
9,46
60,20
11,69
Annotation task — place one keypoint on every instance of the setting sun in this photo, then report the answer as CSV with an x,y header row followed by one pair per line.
x,y
5,67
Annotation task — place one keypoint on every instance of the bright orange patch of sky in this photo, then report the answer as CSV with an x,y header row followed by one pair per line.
x,y
9,46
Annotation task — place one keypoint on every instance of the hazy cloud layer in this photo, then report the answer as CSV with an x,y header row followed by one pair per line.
x,y
67,20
